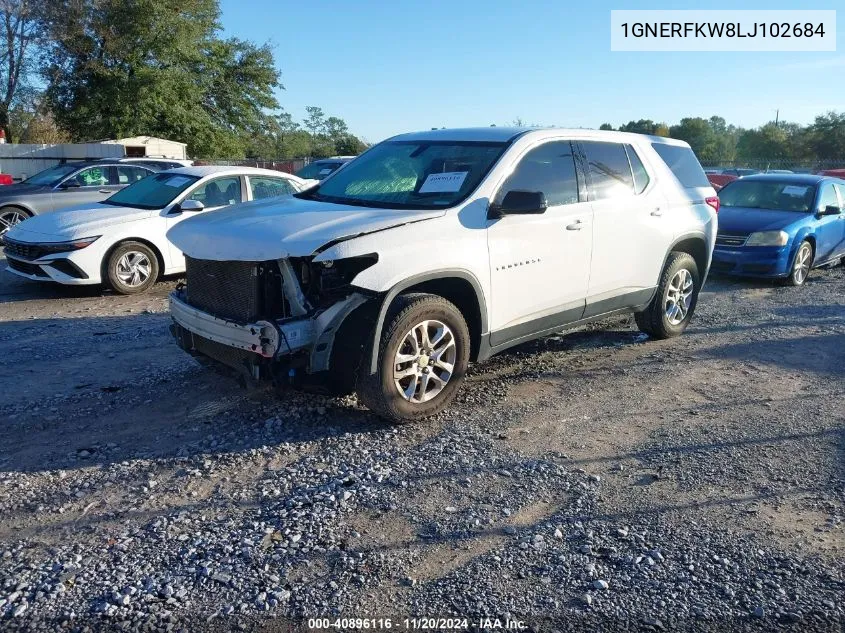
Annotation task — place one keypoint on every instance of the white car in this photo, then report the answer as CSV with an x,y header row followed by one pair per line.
x,y
435,249
122,240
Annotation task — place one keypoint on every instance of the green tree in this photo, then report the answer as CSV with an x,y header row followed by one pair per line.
x,y
700,135
606,126
349,145
22,25
316,120
768,143
825,138
116,68
643,126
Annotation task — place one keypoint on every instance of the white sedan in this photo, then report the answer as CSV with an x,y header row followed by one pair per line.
x,y
121,241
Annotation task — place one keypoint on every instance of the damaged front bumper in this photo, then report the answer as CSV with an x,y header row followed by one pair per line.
x,y
309,338
261,337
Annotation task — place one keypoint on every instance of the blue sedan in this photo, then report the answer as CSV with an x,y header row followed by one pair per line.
x,y
780,226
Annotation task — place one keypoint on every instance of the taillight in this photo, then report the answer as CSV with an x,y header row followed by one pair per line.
x,y
713,201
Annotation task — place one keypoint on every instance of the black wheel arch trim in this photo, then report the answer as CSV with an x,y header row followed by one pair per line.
x,y
409,282
697,235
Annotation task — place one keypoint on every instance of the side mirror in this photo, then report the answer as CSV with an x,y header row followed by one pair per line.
x,y
519,203
69,184
830,210
190,205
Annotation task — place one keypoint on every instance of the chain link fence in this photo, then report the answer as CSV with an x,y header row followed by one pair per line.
x,y
769,164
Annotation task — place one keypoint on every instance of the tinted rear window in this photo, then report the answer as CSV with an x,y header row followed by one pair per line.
x,y
683,163
610,171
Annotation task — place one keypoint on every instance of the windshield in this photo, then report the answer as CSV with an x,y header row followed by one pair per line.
x,y
152,192
51,176
317,170
768,194
410,175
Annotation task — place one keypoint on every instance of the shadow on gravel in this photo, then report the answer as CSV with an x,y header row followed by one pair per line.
x,y
13,288
823,354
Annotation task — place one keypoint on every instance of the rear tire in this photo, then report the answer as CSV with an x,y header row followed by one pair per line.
x,y
801,265
674,303
10,216
422,359
132,268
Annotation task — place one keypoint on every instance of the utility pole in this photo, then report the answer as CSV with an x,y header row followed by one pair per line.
x,y
777,116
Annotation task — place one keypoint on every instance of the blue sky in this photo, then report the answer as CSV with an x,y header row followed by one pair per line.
x,y
391,67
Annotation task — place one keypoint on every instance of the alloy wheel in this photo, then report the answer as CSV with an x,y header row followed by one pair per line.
x,y
8,219
679,297
133,269
425,361
803,261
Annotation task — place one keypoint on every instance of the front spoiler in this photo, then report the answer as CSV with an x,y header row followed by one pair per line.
x,y
261,337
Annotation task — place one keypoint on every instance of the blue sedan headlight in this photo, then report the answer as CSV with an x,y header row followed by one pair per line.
x,y
768,238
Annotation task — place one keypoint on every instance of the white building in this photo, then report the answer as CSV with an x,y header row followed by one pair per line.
x,y
151,146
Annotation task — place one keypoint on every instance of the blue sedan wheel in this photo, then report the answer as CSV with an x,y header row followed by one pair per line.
x,y
801,265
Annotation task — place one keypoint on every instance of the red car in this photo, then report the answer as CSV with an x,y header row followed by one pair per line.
x,y
720,180
837,173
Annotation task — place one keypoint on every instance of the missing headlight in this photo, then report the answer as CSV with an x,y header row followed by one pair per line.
x,y
323,283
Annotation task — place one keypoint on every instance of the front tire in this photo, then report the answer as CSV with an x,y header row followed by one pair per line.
x,y
422,360
673,304
132,268
10,216
801,265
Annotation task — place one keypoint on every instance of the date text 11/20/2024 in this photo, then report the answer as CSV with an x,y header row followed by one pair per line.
x,y
417,624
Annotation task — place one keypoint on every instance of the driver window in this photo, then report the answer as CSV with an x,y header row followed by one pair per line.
x,y
550,169
828,197
218,192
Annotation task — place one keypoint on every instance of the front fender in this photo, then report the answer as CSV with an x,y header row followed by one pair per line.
x,y
804,233
414,280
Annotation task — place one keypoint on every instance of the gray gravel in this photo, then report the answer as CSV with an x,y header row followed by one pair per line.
x,y
591,481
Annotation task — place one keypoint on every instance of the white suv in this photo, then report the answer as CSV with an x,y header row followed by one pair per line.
x,y
435,249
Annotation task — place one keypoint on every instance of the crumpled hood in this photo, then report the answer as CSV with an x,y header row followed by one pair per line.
x,y
281,227
743,221
78,221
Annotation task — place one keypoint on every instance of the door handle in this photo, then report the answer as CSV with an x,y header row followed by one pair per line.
x,y
657,212
105,191
575,226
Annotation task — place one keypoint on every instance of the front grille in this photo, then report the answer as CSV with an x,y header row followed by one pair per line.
x,y
229,290
725,239
26,268
24,251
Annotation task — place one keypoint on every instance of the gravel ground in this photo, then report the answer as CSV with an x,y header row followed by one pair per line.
x,y
593,481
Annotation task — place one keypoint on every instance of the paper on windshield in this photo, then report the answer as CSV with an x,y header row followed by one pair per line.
x,y
795,190
176,181
325,172
447,182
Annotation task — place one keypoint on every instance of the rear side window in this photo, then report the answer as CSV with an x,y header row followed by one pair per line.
x,y
610,171
640,174
269,187
550,169
683,163
126,175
